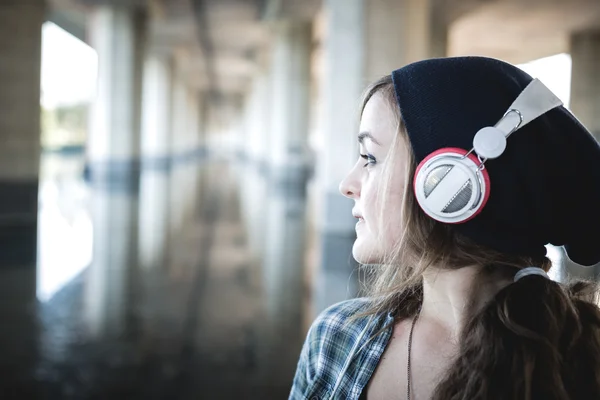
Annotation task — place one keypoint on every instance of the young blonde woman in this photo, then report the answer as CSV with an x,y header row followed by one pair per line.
x,y
468,168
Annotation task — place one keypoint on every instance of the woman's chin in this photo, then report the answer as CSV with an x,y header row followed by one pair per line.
x,y
363,254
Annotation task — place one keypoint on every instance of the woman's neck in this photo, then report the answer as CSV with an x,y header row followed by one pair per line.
x,y
450,295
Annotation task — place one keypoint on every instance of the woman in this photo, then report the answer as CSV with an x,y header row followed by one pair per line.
x,y
460,306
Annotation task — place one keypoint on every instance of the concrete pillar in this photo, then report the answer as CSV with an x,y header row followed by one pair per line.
x,y
179,122
426,31
185,143
155,163
386,37
192,134
203,125
259,122
118,35
20,63
585,80
179,126
20,52
193,116
585,101
290,117
237,133
398,32
343,57
249,118
254,190
257,146
253,184
156,112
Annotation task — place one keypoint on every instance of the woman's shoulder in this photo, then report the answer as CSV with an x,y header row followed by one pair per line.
x,y
342,317
334,337
338,329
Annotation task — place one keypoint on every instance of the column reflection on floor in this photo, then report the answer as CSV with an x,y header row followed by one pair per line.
x,y
283,276
253,191
154,218
249,328
112,276
199,314
229,319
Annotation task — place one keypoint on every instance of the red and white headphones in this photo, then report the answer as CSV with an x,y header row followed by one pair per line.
x,y
451,184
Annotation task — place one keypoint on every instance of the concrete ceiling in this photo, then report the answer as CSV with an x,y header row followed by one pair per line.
x,y
214,42
234,36
231,32
520,30
220,44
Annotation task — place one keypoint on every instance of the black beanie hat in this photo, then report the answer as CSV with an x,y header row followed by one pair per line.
x,y
545,188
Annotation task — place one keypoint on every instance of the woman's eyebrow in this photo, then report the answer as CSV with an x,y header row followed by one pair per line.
x,y
366,135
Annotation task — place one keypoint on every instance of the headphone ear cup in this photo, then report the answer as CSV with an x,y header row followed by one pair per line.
x,y
450,186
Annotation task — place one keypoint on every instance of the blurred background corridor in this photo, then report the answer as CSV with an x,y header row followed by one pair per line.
x,y
170,221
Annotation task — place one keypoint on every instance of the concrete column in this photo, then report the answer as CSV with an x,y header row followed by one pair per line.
x,y
179,122
20,63
20,52
193,116
184,172
259,138
290,102
386,37
118,35
250,118
343,56
179,126
585,102
192,165
203,124
257,144
156,112
238,139
155,163
185,144
426,31
253,184
585,80
398,32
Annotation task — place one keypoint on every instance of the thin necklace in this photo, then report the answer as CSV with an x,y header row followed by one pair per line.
x,y
408,381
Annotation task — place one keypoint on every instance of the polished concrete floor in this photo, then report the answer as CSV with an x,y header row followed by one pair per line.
x,y
193,287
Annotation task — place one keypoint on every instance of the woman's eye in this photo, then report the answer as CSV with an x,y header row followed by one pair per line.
x,y
370,159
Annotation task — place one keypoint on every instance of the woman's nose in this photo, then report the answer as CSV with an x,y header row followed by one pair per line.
x,y
350,187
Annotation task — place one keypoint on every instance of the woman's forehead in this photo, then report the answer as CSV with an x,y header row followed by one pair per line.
x,y
379,120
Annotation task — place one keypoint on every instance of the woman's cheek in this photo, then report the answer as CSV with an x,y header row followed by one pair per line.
x,y
393,212
370,203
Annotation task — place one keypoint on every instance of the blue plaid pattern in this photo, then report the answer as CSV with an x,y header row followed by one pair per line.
x,y
338,357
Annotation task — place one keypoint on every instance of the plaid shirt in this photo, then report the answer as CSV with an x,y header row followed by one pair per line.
x,y
338,358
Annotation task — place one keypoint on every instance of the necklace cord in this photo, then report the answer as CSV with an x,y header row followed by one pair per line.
x,y
408,374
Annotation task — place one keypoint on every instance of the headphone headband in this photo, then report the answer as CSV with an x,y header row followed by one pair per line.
x,y
534,101
451,185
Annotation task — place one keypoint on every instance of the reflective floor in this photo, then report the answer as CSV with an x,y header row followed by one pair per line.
x,y
193,287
